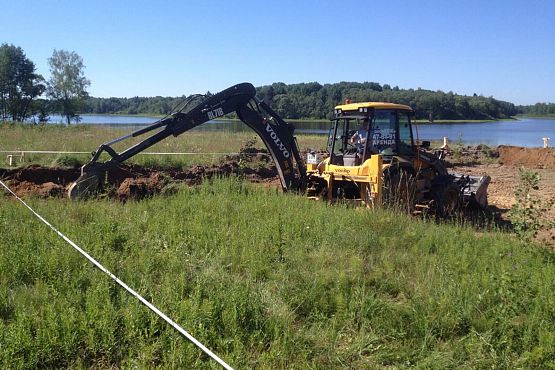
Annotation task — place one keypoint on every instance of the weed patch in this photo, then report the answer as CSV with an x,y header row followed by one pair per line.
x,y
529,213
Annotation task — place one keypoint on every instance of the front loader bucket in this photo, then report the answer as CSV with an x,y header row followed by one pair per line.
x,y
475,188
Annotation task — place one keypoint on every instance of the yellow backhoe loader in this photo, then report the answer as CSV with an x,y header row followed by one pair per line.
x,y
372,157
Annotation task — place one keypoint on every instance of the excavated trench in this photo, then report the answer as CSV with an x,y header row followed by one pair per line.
x,y
135,182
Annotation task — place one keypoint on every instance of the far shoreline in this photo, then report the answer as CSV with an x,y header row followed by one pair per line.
x,y
303,120
538,116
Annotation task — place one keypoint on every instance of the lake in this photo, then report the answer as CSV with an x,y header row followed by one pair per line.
x,y
522,132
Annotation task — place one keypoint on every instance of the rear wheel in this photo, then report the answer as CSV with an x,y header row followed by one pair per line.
x,y
446,199
399,188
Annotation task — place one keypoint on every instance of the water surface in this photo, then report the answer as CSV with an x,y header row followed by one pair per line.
x,y
522,132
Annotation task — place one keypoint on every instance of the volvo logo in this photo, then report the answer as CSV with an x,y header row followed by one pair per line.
x,y
276,140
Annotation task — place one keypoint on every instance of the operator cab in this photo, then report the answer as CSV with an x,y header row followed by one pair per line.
x,y
359,130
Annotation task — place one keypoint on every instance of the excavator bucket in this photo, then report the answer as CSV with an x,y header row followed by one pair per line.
x,y
86,185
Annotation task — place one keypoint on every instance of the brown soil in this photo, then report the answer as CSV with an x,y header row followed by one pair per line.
x,y
505,170
135,182
537,158
39,181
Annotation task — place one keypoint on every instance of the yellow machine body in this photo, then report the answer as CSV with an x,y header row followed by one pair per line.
x,y
373,158
367,177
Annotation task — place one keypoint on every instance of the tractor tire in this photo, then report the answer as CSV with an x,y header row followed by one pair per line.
x,y
399,188
446,199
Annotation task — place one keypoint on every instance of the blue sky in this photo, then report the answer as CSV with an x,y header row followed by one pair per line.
x,y
505,49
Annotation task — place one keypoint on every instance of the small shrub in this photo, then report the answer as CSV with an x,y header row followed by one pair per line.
x,y
528,214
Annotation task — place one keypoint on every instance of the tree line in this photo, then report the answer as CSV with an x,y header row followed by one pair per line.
x,y
538,109
137,105
316,101
313,100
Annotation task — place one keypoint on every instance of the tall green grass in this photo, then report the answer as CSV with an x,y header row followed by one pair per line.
x,y
268,281
82,138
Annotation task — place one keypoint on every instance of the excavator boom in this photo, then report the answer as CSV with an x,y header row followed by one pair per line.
x,y
276,134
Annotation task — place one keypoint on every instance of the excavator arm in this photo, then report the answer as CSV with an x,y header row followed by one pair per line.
x,y
276,134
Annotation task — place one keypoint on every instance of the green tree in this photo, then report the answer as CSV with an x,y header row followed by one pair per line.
x,y
19,84
67,85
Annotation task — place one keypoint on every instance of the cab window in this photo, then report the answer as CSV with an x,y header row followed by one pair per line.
x,y
384,132
405,134
338,137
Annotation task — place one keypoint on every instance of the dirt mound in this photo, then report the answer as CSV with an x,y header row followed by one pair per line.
x,y
527,157
44,190
40,175
137,188
40,181
136,182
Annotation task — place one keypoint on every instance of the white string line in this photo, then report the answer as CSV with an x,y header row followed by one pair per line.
x,y
125,286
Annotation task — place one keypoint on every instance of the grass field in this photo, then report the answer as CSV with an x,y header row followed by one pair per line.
x,y
264,279
267,280
82,138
